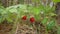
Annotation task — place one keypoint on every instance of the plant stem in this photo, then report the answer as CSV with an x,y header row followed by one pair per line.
x,y
14,26
17,28
46,30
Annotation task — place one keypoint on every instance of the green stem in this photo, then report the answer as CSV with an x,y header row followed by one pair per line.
x,y
17,28
14,26
46,32
58,28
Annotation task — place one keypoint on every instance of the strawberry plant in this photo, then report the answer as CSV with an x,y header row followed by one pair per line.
x,y
14,14
44,14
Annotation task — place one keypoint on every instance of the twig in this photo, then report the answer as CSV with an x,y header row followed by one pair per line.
x,y
17,28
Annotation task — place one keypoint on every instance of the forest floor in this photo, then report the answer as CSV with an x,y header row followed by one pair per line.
x,y
22,29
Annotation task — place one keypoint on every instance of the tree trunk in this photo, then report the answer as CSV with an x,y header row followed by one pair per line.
x,y
15,2
4,3
58,12
7,3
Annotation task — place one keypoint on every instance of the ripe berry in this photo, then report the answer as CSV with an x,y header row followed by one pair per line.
x,y
32,19
24,17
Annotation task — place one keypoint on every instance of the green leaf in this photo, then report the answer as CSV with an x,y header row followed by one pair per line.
x,y
56,0
42,7
37,17
9,19
1,19
35,11
52,14
44,21
12,10
58,31
51,24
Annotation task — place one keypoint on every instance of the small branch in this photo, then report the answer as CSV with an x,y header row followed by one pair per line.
x,y
17,28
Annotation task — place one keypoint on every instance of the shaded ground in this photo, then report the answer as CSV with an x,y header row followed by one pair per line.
x,y
5,28
23,29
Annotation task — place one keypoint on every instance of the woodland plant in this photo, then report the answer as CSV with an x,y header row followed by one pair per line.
x,y
15,14
41,13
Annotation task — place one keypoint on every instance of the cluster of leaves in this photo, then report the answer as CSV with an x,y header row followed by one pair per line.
x,y
11,13
41,13
58,31
44,14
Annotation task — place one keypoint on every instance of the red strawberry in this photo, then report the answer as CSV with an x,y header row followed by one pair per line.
x,y
24,17
32,19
